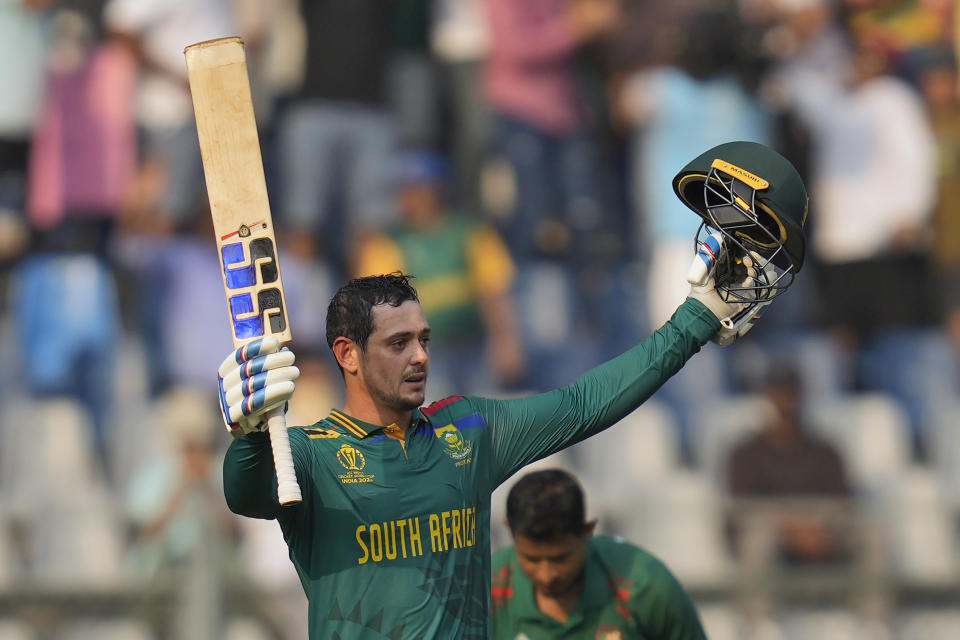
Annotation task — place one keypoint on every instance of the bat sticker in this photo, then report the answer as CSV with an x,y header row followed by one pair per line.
x,y
248,318
240,272
244,230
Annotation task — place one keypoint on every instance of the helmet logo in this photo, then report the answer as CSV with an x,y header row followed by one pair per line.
x,y
743,175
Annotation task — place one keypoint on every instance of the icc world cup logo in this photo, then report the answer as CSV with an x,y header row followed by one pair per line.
x,y
351,458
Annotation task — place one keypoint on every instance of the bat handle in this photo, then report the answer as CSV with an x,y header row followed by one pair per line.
x,y
288,491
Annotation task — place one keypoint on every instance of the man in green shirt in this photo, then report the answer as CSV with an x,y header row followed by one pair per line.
x,y
558,581
392,538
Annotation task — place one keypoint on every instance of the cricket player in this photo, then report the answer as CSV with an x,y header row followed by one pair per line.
x,y
392,539
558,581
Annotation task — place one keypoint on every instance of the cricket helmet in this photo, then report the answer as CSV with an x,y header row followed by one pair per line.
x,y
756,199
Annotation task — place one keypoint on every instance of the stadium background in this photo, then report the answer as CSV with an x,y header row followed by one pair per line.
x,y
112,523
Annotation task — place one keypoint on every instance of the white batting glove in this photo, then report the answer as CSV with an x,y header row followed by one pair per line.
x,y
737,317
255,379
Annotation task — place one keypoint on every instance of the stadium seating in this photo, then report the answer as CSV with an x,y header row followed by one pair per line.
x,y
16,630
615,464
919,527
872,433
929,623
106,629
53,457
833,623
679,518
944,447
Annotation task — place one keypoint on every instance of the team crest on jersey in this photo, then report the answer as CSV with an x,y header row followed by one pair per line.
x,y
608,633
353,460
455,445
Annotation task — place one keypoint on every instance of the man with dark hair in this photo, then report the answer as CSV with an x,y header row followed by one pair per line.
x,y
558,580
787,463
392,538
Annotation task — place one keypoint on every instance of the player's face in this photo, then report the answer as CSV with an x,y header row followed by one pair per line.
x,y
554,567
396,361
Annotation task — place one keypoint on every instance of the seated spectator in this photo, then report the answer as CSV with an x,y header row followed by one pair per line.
x,y
785,460
173,503
560,581
183,534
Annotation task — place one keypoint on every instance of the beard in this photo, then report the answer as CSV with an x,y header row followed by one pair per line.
x,y
396,399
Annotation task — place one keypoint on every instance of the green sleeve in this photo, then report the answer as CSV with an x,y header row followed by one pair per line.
x,y
249,478
524,430
663,609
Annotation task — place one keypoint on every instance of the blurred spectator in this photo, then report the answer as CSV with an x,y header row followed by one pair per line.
x,y
785,460
902,27
184,535
156,31
83,154
168,193
182,272
530,84
67,324
863,215
676,111
412,76
81,160
22,64
460,42
463,275
936,77
870,232
336,134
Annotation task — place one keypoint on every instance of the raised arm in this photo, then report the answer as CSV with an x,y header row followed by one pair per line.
x,y
526,429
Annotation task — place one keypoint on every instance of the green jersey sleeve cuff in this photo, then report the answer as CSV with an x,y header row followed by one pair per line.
x,y
699,320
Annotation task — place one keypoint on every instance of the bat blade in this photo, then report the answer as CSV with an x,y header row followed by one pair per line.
x,y
240,209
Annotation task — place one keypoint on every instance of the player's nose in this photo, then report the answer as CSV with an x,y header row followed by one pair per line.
x,y
545,573
420,354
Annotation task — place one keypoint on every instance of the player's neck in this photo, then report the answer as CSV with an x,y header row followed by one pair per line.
x,y
560,607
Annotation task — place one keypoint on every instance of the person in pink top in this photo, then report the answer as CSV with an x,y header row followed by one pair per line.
x,y
530,84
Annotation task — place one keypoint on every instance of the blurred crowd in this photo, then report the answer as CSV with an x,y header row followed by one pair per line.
x,y
516,156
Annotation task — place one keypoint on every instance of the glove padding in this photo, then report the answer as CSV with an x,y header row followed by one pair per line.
x,y
736,316
255,379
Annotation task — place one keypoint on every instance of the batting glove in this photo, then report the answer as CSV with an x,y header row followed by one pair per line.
x,y
736,316
255,379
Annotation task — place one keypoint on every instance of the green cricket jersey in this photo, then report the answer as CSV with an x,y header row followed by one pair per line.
x,y
392,539
627,595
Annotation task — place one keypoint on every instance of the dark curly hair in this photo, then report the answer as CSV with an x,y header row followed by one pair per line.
x,y
350,313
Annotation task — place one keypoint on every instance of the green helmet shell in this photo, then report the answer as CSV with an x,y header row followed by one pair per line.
x,y
779,204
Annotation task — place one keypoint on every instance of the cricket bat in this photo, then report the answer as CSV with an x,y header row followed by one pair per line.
x,y
237,190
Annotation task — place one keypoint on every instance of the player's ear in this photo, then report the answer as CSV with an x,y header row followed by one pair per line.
x,y
346,351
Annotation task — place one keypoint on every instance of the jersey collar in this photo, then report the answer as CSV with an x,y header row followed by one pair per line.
x,y
360,429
